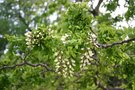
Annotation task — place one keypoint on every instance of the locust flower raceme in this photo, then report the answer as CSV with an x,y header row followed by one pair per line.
x,y
29,39
64,38
64,66
28,34
34,38
86,59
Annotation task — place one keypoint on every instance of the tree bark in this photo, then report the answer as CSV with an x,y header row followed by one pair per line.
x,y
95,12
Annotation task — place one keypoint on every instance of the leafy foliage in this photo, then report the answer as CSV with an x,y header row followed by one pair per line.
x,y
69,53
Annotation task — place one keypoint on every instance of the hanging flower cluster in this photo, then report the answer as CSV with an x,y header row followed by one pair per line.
x,y
64,38
86,59
34,38
77,22
64,66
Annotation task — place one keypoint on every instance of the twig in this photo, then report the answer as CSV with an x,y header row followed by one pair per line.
x,y
95,12
24,21
115,43
28,64
78,0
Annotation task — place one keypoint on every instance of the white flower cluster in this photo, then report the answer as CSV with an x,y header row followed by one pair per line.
x,y
34,38
63,38
28,39
86,59
93,39
64,66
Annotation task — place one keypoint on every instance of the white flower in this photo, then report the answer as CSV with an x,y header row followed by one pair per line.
x,y
82,48
32,42
73,64
42,37
63,38
88,48
66,60
64,42
38,36
56,53
84,64
56,60
87,56
126,38
82,57
82,61
90,53
28,34
86,61
59,73
35,40
71,72
28,43
58,66
90,59
70,66
64,75
28,40
59,57
64,66
30,46
72,60
68,63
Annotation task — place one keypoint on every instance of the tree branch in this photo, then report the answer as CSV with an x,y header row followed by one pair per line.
x,y
95,12
24,21
28,64
115,43
78,0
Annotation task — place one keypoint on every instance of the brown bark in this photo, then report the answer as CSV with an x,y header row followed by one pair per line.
x,y
95,12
